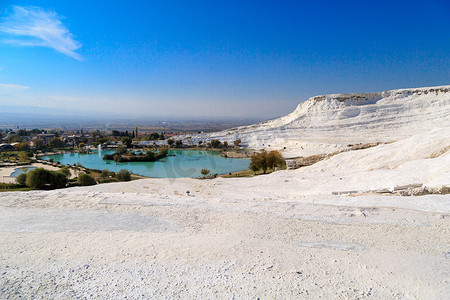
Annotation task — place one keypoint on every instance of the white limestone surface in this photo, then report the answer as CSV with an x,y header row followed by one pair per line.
x,y
321,231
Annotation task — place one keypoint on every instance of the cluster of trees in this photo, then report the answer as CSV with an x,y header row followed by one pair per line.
x,y
24,132
156,136
41,178
117,133
122,155
219,144
107,176
177,143
265,160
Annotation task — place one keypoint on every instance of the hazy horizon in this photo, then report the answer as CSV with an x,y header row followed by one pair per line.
x,y
194,60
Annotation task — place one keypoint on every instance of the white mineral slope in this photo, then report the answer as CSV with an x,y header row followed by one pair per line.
x,y
280,236
328,123
423,159
320,231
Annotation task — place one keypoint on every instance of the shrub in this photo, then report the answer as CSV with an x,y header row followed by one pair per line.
x,y
65,171
264,160
119,158
121,150
85,180
123,175
104,173
149,155
23,157
55,142
40,178
21,146
21,179
58,180
127,142
204,172
216,144
107,180
163,152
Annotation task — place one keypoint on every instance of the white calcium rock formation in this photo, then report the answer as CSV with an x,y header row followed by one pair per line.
x,y
324,124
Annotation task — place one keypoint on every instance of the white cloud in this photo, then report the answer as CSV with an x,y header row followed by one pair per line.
x,y
34,26
13,86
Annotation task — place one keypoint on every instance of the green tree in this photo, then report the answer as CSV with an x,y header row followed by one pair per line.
x,y
163,152
216,144
85,180
55,142
58,180
15,139
237,142
38,143
274,159
154,136
40,178
204,172
65,171
121,150
123,175
259,160
170,142
21,146
179,143
23,132
104,173
127,142
103,140
254,167
22,179
264,160
149,155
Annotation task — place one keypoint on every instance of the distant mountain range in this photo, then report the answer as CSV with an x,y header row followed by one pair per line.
x,y
42,117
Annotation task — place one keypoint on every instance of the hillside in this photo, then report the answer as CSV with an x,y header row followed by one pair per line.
x,y
331,122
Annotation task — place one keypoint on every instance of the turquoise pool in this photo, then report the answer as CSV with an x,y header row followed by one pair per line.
x,y
21,170
184,163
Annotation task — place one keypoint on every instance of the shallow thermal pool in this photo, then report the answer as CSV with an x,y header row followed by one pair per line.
x,y
19,171
179,163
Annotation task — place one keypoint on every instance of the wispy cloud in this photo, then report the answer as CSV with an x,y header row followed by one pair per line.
x,y
13,86
34,26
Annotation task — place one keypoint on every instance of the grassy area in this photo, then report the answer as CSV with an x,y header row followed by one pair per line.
x,y
243,173
12,187
248,173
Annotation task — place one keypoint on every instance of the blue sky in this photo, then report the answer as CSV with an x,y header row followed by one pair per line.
x,y
215,59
